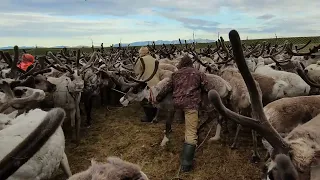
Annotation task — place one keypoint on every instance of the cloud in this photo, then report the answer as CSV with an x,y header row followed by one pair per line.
x,y
127,7
193,23
75,22
266,16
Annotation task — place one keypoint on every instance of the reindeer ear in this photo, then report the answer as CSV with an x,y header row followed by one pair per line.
x,y
114,160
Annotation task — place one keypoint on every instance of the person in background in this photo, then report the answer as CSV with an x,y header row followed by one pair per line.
x,y
27,60
149,61
186,85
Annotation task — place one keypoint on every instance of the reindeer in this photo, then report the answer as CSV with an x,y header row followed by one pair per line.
x,y
288,159
114,169
26,95
68,93
22,147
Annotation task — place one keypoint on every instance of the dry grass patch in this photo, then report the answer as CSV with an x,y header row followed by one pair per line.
x,y
119,132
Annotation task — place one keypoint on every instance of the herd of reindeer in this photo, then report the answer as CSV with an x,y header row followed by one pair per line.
x,y
269,88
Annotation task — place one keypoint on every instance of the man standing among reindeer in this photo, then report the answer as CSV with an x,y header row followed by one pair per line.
x,y
186,85
144,70
26,62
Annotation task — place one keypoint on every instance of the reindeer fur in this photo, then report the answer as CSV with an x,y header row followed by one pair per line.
x,y
47,160
167,66
113,169
296,85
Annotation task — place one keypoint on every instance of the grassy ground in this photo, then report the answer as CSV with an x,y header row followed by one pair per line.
x,y
299,41
119,132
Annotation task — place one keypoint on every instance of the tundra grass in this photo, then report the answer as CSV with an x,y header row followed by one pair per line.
x,y
119,132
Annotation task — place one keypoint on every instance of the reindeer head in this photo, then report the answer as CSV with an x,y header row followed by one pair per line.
x,y
136,93
77,81
41,82
19,97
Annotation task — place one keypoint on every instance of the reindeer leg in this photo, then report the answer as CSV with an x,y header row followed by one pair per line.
x,y
216,137
102,96
73,123
78,117
204,124
168,130
81,111
64,165
234,144
208,120
255,156
239,127
224,124
266,157
88,108
155,119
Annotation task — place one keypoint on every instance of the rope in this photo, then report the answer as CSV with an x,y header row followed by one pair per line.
x,y
151,97
118,91
178,173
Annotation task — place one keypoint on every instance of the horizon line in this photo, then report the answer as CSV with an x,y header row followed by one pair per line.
x,y
87,46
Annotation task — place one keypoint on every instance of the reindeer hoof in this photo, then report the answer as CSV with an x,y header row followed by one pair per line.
x,y
215,138
155,120
164,142
234,146
255,158
166,131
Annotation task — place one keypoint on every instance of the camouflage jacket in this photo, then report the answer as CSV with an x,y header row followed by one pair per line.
x,y
186,85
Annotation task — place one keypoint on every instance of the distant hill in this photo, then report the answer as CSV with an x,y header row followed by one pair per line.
x,y
160,42
138,43
20,47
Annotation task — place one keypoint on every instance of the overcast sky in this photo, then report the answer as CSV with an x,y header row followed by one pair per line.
x,y
76,22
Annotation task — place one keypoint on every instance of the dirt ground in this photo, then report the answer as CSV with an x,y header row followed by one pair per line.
x,y
118,132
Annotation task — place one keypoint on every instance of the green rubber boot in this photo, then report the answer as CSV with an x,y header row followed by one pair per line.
x,y
188,153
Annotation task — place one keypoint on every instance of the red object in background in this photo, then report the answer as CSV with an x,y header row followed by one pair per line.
x,y
27,60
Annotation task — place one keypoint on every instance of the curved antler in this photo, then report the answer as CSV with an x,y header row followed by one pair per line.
x,y
260,122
